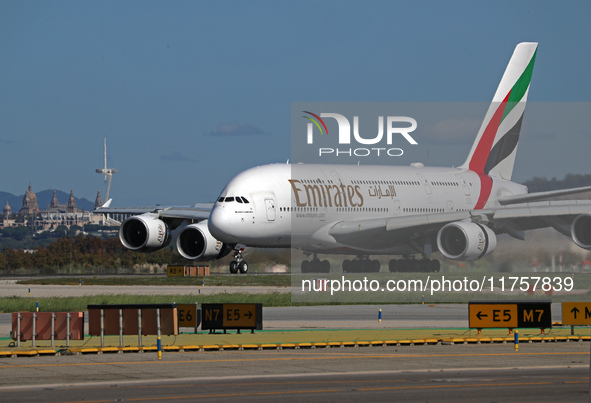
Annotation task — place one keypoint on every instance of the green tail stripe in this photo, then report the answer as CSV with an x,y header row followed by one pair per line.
x,y
520,87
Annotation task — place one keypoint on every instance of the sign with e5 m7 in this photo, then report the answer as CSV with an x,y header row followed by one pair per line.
x,y
526,314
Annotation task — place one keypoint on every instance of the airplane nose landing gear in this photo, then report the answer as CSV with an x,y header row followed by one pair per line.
x,y
239,264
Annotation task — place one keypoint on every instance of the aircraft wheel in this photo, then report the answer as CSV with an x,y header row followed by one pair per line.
x,y
375,266
305,266
243,267
346,266
392,265
364,266
435,265
325,265
402,265
233,267
358,266
425,265
315,266
413,265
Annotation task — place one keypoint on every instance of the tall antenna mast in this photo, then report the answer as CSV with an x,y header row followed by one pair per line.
x,y
108,172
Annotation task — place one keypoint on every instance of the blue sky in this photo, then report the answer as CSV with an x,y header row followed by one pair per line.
x,y
189,94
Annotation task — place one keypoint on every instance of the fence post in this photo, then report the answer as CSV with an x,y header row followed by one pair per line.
x,y
121,327
52,329
68,329
102,327
197,310
159,341
34,327
139,327
18,329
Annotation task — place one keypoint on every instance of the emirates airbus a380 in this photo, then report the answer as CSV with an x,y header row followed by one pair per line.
x,y
364,211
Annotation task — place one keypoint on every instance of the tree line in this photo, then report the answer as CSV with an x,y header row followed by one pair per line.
x,y
82,252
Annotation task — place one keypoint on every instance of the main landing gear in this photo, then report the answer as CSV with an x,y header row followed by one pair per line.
x,y
361,265
414,265
239,264
315,266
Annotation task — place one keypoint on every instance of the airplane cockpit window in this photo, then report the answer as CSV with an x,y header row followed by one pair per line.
x,y
239,199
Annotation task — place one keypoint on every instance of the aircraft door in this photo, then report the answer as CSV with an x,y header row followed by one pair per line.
x,y
396,208
270,208
450,205
464,185
425,183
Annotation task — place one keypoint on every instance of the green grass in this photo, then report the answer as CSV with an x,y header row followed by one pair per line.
x,y
276,280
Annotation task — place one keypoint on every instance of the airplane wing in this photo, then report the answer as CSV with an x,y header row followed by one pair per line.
x,y
378,234
504,201
197,212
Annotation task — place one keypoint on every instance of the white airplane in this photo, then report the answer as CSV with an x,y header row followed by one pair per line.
x,y
375,210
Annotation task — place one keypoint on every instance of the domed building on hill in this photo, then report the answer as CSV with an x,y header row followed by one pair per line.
x,y
30,206
56,214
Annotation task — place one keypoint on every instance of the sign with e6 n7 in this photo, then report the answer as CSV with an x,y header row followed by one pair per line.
x,y
189,315
232,316
526,314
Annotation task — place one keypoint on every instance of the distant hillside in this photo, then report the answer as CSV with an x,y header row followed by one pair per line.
x,y
43,200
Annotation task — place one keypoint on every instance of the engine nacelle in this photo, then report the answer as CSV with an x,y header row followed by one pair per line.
x,y
195,242
581,231
144,233
466,241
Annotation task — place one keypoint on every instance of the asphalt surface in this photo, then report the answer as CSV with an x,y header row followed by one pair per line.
x,y
9,288
548,372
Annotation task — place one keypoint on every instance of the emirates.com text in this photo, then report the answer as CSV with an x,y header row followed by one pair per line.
x,y
441,284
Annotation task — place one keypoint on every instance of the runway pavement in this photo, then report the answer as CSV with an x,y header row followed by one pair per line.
x,y
9,288
445,373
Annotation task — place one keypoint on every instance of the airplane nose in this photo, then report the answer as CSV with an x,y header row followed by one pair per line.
x,y
219,225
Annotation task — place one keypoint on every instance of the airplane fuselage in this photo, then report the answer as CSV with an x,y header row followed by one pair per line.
x,y
283,205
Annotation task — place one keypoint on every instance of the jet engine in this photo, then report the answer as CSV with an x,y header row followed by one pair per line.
x,y
466,241
581,231
144,233
195,242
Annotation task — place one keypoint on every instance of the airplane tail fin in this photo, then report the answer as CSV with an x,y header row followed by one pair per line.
x,y
493,151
